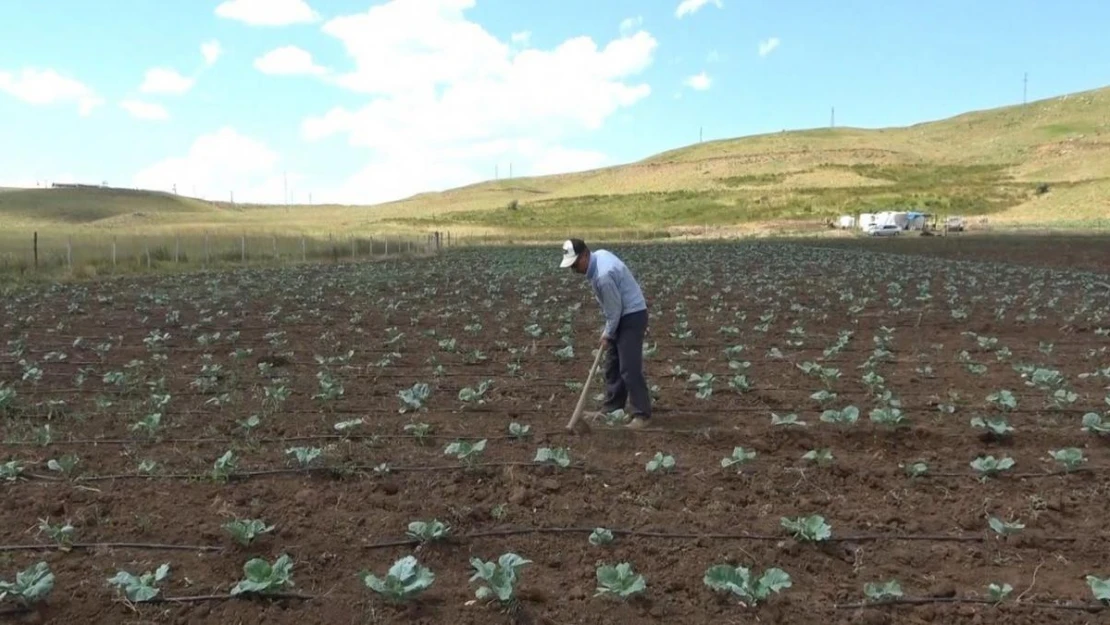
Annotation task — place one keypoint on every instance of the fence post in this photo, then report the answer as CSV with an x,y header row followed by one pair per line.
x,y
146,244
354,247
113,253
243,248
36,247
387,247
176,248
206,250
69,253
304,250
371,247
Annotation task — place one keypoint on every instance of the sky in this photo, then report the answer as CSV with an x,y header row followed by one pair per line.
x,y
359,101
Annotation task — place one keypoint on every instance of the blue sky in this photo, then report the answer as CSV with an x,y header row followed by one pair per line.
x,y
360,101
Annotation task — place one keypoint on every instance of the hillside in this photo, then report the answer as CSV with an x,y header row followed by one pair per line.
x,y
980,163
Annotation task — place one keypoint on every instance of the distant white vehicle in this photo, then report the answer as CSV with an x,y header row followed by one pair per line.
x,y
884,230
954,224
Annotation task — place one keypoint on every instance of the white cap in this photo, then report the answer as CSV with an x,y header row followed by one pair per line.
x,y
569,255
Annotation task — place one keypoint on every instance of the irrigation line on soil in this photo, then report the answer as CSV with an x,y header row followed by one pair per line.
x,y
95,546
336,470
227,597
343,471
917,601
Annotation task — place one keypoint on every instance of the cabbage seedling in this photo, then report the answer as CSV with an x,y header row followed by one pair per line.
x,y
997,593
1005,528
883,592
739,456
244,531
809,529
989,466
141,588
261,577
428,531
738,581
500,577
1100,587
519,431
31,585
557,456
406,579
619,580
466,452
601,536
660,461
1071,457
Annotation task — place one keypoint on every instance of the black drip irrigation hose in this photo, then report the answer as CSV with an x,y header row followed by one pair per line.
x,y
919,601
522,531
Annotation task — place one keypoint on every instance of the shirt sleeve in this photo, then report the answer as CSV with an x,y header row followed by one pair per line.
x,y
611,306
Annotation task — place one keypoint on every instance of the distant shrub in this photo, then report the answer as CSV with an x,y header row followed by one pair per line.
x,y
513,205
1042,188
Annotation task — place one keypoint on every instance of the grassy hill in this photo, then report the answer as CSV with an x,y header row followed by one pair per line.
x,y
995,162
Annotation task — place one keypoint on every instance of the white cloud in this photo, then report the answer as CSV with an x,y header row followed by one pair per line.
x,y
211,51
218,164
768,46
630,24
288,61
46,86
268,12
163,80
145,110
523,37
699,82
453,99
689,7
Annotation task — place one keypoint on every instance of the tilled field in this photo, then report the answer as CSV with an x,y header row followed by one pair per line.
x,y
143,415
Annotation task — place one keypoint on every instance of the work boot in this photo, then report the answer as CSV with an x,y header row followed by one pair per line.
x,y
638,423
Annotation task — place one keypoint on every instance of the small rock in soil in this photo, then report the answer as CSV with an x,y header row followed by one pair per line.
x,y
390,488
576,593
519,496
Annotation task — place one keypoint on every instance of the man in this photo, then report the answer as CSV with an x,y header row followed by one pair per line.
x,y
626,317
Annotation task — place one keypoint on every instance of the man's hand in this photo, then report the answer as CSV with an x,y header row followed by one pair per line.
x,y
604,344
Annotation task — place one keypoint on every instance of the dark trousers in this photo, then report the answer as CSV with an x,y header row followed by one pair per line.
x,y
624,367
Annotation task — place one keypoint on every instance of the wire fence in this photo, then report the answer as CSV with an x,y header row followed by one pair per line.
x,y
91,255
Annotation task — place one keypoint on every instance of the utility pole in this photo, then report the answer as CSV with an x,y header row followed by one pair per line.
x,y
1025,89
700,129
496,172
510,170
832,118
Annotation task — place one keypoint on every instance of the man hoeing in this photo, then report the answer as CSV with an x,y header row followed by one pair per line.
x,y
626,318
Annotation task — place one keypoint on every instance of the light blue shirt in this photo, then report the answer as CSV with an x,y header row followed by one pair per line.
x,y
615,288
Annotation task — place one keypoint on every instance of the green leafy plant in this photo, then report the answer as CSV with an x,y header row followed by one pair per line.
x,y
466,452
619,580
140,588
660,461
260,577
406,579
812,528
738,581
1071,458
883,592
739,456
601,536
245,531
428,531
500,577
557,456
31,586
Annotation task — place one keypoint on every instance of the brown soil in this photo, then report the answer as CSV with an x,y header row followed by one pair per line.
x,y
884,524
